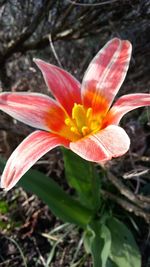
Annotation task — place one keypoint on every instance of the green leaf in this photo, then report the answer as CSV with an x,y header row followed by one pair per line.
x,y
61,204
82,176
105,234
124,251
111,264
97,241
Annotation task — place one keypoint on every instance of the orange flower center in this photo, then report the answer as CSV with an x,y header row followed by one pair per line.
x,y
82,121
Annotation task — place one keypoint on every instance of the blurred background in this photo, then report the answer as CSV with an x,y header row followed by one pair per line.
x,y
68,33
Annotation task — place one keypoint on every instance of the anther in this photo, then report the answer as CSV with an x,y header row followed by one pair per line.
x,y
73,110
68,122
85,130
74,130
89,113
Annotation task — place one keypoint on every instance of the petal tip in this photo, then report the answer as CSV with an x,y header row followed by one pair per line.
x,y
127,42
37,61
129,45
3,187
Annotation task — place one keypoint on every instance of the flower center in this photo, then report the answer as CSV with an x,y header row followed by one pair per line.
x,y
82,121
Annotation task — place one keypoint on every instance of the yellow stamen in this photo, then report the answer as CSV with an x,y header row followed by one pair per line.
x,y
82,122
89,113
68,122
95,125
85,130
74,130
79,115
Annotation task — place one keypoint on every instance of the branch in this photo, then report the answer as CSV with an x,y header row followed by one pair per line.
x,y
125,191
127,205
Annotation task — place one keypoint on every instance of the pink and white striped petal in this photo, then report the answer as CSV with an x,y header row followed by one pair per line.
x,y
26,154
108,143
125,104
105,75
64,87
36,110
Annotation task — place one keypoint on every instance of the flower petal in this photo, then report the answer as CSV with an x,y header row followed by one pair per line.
x,y
26,154
36,110
102,146
106,74
125,104
64,87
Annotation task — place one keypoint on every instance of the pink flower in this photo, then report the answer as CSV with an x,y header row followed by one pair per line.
x,y
82,118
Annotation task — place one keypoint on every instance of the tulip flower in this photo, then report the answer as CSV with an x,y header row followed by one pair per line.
x,y
82,118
